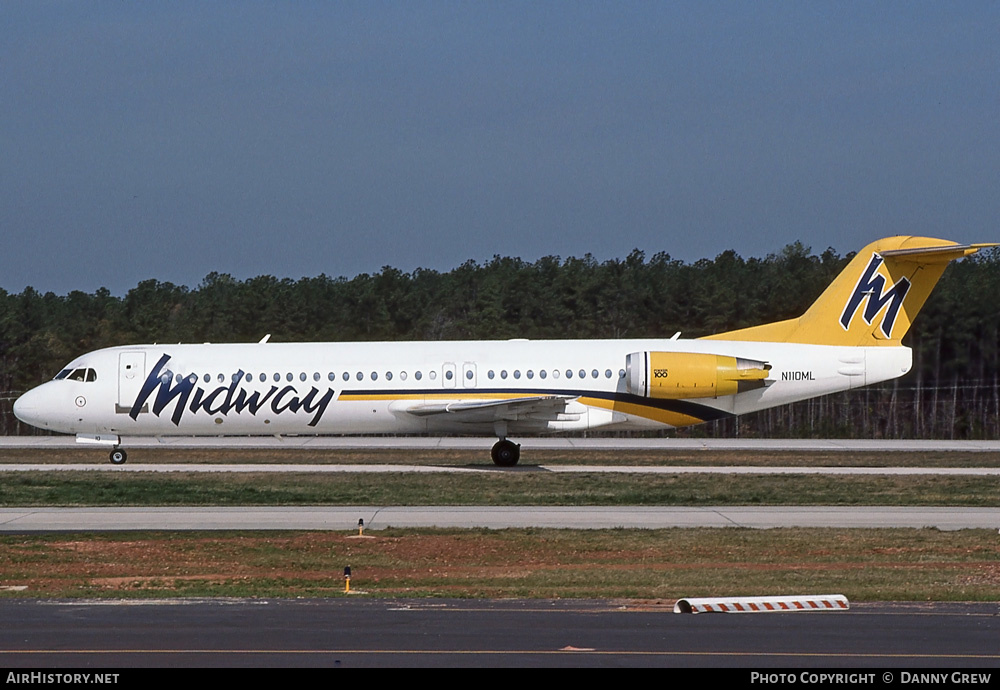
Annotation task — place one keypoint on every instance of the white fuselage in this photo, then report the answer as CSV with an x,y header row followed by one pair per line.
x,y
388,387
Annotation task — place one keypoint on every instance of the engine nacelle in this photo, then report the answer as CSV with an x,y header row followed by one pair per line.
x,y
679,375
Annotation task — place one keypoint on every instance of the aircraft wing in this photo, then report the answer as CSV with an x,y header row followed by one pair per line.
x,y
509,409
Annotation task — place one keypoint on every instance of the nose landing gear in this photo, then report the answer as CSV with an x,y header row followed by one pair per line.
x,y
117,456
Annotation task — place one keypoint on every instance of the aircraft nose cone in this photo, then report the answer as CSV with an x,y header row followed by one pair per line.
x,y
23,407
28,409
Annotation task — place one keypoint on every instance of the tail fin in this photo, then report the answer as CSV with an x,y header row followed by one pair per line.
x,y
873,301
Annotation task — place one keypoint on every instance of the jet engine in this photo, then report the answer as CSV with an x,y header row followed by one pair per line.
x,y
679,375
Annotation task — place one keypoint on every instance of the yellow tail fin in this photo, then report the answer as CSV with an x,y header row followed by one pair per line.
x,y
873,301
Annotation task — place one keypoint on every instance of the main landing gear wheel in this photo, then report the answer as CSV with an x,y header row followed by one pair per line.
x,y
118,456
506,453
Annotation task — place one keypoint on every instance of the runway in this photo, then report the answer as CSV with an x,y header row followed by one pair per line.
x,y
120,636
346,518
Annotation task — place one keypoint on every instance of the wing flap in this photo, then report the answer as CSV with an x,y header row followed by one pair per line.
x,y
508,409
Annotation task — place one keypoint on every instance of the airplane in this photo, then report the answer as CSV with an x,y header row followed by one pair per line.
x,y
850,337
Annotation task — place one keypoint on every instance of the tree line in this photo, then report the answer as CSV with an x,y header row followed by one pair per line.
x,y
952,391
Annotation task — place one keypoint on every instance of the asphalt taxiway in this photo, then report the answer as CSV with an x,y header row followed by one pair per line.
x,y
541,443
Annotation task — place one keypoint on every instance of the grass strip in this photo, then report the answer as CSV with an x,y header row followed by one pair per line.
x,y
491,488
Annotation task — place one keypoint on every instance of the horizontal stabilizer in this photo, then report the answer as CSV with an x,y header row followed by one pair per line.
x,y
934,254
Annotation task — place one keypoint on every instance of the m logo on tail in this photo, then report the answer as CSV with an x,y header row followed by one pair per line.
x,y
872,287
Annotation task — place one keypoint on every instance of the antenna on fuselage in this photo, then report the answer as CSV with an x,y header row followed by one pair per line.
x,y
264,339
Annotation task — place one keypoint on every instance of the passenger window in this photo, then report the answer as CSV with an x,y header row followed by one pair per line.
x,y
503,373
388,376
490,374
402,375
530,374
417,375
449,375
517,373
543,373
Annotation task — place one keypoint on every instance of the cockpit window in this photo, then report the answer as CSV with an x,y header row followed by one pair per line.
x,y
62,374
87,375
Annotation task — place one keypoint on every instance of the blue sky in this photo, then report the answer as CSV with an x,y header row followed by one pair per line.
x,y
168,140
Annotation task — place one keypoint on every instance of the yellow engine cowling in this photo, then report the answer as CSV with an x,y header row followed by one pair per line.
x,y
679,375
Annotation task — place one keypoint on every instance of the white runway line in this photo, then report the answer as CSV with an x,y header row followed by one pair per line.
x,y
194,468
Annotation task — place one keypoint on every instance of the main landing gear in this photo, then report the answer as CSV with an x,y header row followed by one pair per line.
x,y
505,453
118,456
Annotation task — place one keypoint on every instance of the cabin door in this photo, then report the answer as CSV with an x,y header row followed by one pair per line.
x,y
131,376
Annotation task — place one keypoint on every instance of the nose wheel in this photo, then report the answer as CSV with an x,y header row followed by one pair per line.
x,y
505,453
118,456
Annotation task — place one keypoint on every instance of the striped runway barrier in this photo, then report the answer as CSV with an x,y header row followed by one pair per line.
x,y
820,602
